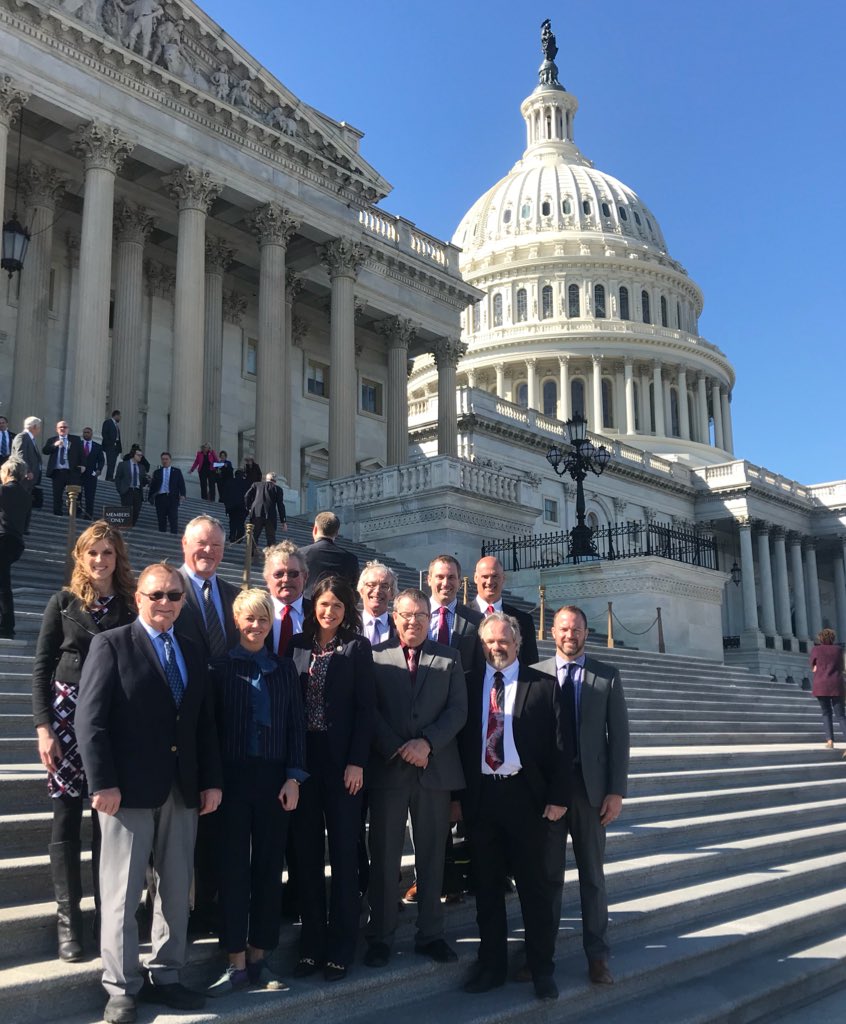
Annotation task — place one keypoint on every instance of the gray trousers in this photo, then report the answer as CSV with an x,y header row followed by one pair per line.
x,y
129,838
389,809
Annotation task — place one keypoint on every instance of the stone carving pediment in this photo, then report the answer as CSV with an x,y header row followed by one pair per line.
x,y
183,44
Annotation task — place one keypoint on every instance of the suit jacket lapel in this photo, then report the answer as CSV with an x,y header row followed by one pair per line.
x,y
144,645
520,697
302,658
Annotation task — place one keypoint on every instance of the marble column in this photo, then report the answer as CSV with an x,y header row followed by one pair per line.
x,y
295,332
747,577
11,101
668,408
194,192
219,257
643,401
839,562
71,316
684,409
812,586
800,610
595,423
630,397
728,443
342,259
41,189
781,584
274,226
103,150
399,332
702,403
658,399
532,383
448,353
500,380
768,623
564,397
717,409
132,229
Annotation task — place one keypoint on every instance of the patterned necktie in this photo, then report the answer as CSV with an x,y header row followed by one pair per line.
x,y
214,630
87,449
443,626
495,742
411,656
567,693
4,448
172,673
286,630
63,455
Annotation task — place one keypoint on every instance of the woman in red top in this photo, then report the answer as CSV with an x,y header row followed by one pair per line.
x,y
204,462
827,668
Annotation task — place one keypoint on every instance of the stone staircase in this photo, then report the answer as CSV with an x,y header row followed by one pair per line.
x,y
725,870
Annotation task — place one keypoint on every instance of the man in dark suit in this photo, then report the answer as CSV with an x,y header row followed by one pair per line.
x,y
167,492
64,463
377,586
421,705
130,480
489,578
6,438
110,433
517,791
146,732
452,622
93,461
264,501
25,448
324,557
592,709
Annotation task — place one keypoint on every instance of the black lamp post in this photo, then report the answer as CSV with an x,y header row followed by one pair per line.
x,y
585,458
15,235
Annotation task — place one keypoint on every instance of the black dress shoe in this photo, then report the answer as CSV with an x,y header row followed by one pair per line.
x,y
545,988
482,979
306,966
438,950
378,954
176,996
120,1010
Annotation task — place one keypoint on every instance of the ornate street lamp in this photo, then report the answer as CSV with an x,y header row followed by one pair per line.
x,y
15,235
585,458
735,573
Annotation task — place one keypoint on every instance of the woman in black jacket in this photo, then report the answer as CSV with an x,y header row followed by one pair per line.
x,y
336,672
100,596
15,503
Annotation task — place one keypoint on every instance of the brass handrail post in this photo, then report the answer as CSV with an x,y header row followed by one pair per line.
x,y
466,580
542,594
661,646
610,625
248,555
72,493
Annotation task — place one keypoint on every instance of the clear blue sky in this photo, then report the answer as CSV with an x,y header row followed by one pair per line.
x,y
727,117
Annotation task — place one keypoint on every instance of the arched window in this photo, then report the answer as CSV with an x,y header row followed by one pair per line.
x,y
577,396
546,302
606,210
607,403
664,319
546,208
678,316
599,300
675,422
574,306
586,207
506,216
526,210
622,212
644,302
651,424
477,316
592,520
637,218
636,393
624,303
522,305
566,206
522,395
497,311
550,398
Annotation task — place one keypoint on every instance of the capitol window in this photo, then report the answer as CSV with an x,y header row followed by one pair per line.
x,y
573,303
550,511
623,214
522,395
546,208
664,317
624,303
317,379
637,218
506,216
678,316
477,315
566,206
526,210
599,301
497,311
546,302
644,302
675,419
550,398
522,306
607,403
577,396
586,207
606,210
371,396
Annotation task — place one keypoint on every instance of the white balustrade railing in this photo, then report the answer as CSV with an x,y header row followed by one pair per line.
x,y
379,223
407,238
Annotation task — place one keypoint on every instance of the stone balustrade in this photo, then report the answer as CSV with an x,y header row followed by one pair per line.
x,y
408,238
742,473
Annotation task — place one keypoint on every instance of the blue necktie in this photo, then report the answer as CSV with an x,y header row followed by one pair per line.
x,y
172,673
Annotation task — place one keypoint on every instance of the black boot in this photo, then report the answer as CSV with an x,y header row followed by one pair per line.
x,y
67,883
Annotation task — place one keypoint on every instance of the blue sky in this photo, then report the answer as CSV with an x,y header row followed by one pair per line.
x,y
726,117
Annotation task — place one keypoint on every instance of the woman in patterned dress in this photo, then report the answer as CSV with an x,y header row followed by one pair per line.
x,y
100,596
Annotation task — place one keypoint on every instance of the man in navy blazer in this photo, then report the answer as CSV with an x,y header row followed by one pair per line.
x,y
489,578
64,462
93,460
147,736
6,438
167,492
325,557
110,433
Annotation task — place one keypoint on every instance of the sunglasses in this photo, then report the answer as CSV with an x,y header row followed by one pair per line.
x,y
292,574
159,595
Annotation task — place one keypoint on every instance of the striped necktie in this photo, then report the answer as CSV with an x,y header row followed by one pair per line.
x,y
172,673
214,630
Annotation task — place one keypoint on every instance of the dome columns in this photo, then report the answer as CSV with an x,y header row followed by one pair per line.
x,y
448,353
564,404
658,399
628,377
717,412
684,411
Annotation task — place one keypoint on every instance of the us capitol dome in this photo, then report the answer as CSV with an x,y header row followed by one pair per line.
x,y
585,310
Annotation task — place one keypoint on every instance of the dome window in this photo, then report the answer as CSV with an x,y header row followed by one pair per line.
x,y
497,311
550,398
599,301
546,208
623,214
607,403
526,210
624,303
678,316
477,316
586,207
606,210
577,396
506,216
665,321
574,306
546,302
648,224
523,395
637,218
522,306
566,206
644,303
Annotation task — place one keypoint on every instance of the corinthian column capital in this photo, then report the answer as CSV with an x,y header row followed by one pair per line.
x,y
294,285
398,330
341,257
101,146
192,188
448,352
272,224
133,223
41,185
11,100
219,256
234,307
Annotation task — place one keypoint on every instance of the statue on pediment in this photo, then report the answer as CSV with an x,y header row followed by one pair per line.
x,y
86,10
140,18
221,84
240,95
277,118
167,33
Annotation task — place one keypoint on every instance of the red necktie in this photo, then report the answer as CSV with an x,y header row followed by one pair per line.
x,y
490,610
495,743
286,630
443,626
411,656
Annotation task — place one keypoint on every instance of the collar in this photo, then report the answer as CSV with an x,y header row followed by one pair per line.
x,y
563,663
30,436
482,604
296,606
195,579
434,606
509,675
368,618
263,658
153,632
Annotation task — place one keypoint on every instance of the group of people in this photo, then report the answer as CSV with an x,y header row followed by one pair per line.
x,y
206,724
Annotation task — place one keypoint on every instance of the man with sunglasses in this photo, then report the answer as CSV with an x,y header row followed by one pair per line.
x,y
146,732
285,574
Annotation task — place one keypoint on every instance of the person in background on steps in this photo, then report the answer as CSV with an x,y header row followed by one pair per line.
x,y
100,596
826,660
15,503
204,462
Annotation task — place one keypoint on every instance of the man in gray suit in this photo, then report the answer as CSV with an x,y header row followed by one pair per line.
x,y
421,706
25,449
593,721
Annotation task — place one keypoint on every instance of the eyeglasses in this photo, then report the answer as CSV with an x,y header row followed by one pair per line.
x,y
414,616
292,574
159,595
377,586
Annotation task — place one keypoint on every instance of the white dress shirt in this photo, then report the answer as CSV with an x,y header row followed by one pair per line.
x,y
296,614
483,605
512,762
380,623
435,617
